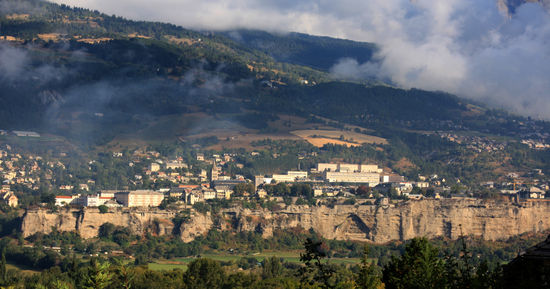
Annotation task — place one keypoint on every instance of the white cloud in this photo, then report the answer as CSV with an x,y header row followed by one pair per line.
x,y
466,47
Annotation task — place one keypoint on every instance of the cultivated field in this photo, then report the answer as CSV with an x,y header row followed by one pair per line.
x,y
321,137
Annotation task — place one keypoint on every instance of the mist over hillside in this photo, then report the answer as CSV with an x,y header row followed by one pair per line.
x,y
489,51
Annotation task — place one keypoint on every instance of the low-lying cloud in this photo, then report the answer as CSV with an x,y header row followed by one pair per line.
x,y
466,47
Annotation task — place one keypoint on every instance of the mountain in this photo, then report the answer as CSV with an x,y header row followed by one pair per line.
x,y
302,49
102,81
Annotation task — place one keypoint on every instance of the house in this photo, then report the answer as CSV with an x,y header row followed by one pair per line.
x,y
209,194
21,133
193,198
224,193
66,200
200,157
10,199
261,193
176,165
154,167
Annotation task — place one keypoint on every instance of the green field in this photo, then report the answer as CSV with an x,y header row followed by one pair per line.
x,y
288,256
22,269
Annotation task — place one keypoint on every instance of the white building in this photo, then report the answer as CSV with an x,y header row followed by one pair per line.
x,y
66,200
140,198
291,176
372,179
176,165
154,167
349,168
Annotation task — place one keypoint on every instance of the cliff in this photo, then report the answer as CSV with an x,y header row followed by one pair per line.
x,y
87,221
491,220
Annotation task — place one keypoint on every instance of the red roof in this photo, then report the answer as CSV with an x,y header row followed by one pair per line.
x,y
63,197
188,186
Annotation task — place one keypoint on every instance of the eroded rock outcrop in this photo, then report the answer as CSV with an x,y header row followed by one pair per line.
x,y
491,220
88,221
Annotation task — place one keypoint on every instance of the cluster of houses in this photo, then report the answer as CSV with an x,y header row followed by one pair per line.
x,y
475,143
16,168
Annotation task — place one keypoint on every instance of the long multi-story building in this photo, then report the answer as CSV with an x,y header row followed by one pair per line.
x,y
140,198
290,177
372,179
349,168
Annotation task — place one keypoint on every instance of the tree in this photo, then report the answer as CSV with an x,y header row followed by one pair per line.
x,y
3,268
367,278
103,209
97,275
418,268
242,188
204,273
106,230
271,267
124,276
315,271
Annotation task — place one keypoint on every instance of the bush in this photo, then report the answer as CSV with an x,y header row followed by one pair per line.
x,y
103,209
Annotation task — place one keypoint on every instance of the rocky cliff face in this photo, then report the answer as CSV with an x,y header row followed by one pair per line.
x,y
491,220
87,221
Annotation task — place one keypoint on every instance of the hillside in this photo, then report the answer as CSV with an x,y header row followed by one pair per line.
x,y
103,81
302,49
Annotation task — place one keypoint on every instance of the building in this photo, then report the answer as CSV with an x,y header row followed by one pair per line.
x,y
223,193
200,157
193,198
372,179
260,180
154,167
10,199
214,173
209,194
90,201
22,133
228,183
291,176
392,179
323,167
140,198
421,184
176,165
66,200
284,178
297,174
261,193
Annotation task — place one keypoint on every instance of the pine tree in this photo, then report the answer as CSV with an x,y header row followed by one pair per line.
x,y
367,278
3,269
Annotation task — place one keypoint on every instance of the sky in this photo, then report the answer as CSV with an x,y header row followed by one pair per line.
x,y
466,47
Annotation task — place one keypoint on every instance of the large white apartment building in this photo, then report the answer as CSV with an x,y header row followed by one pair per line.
x,y
291,176
372,179
350,168
140,198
